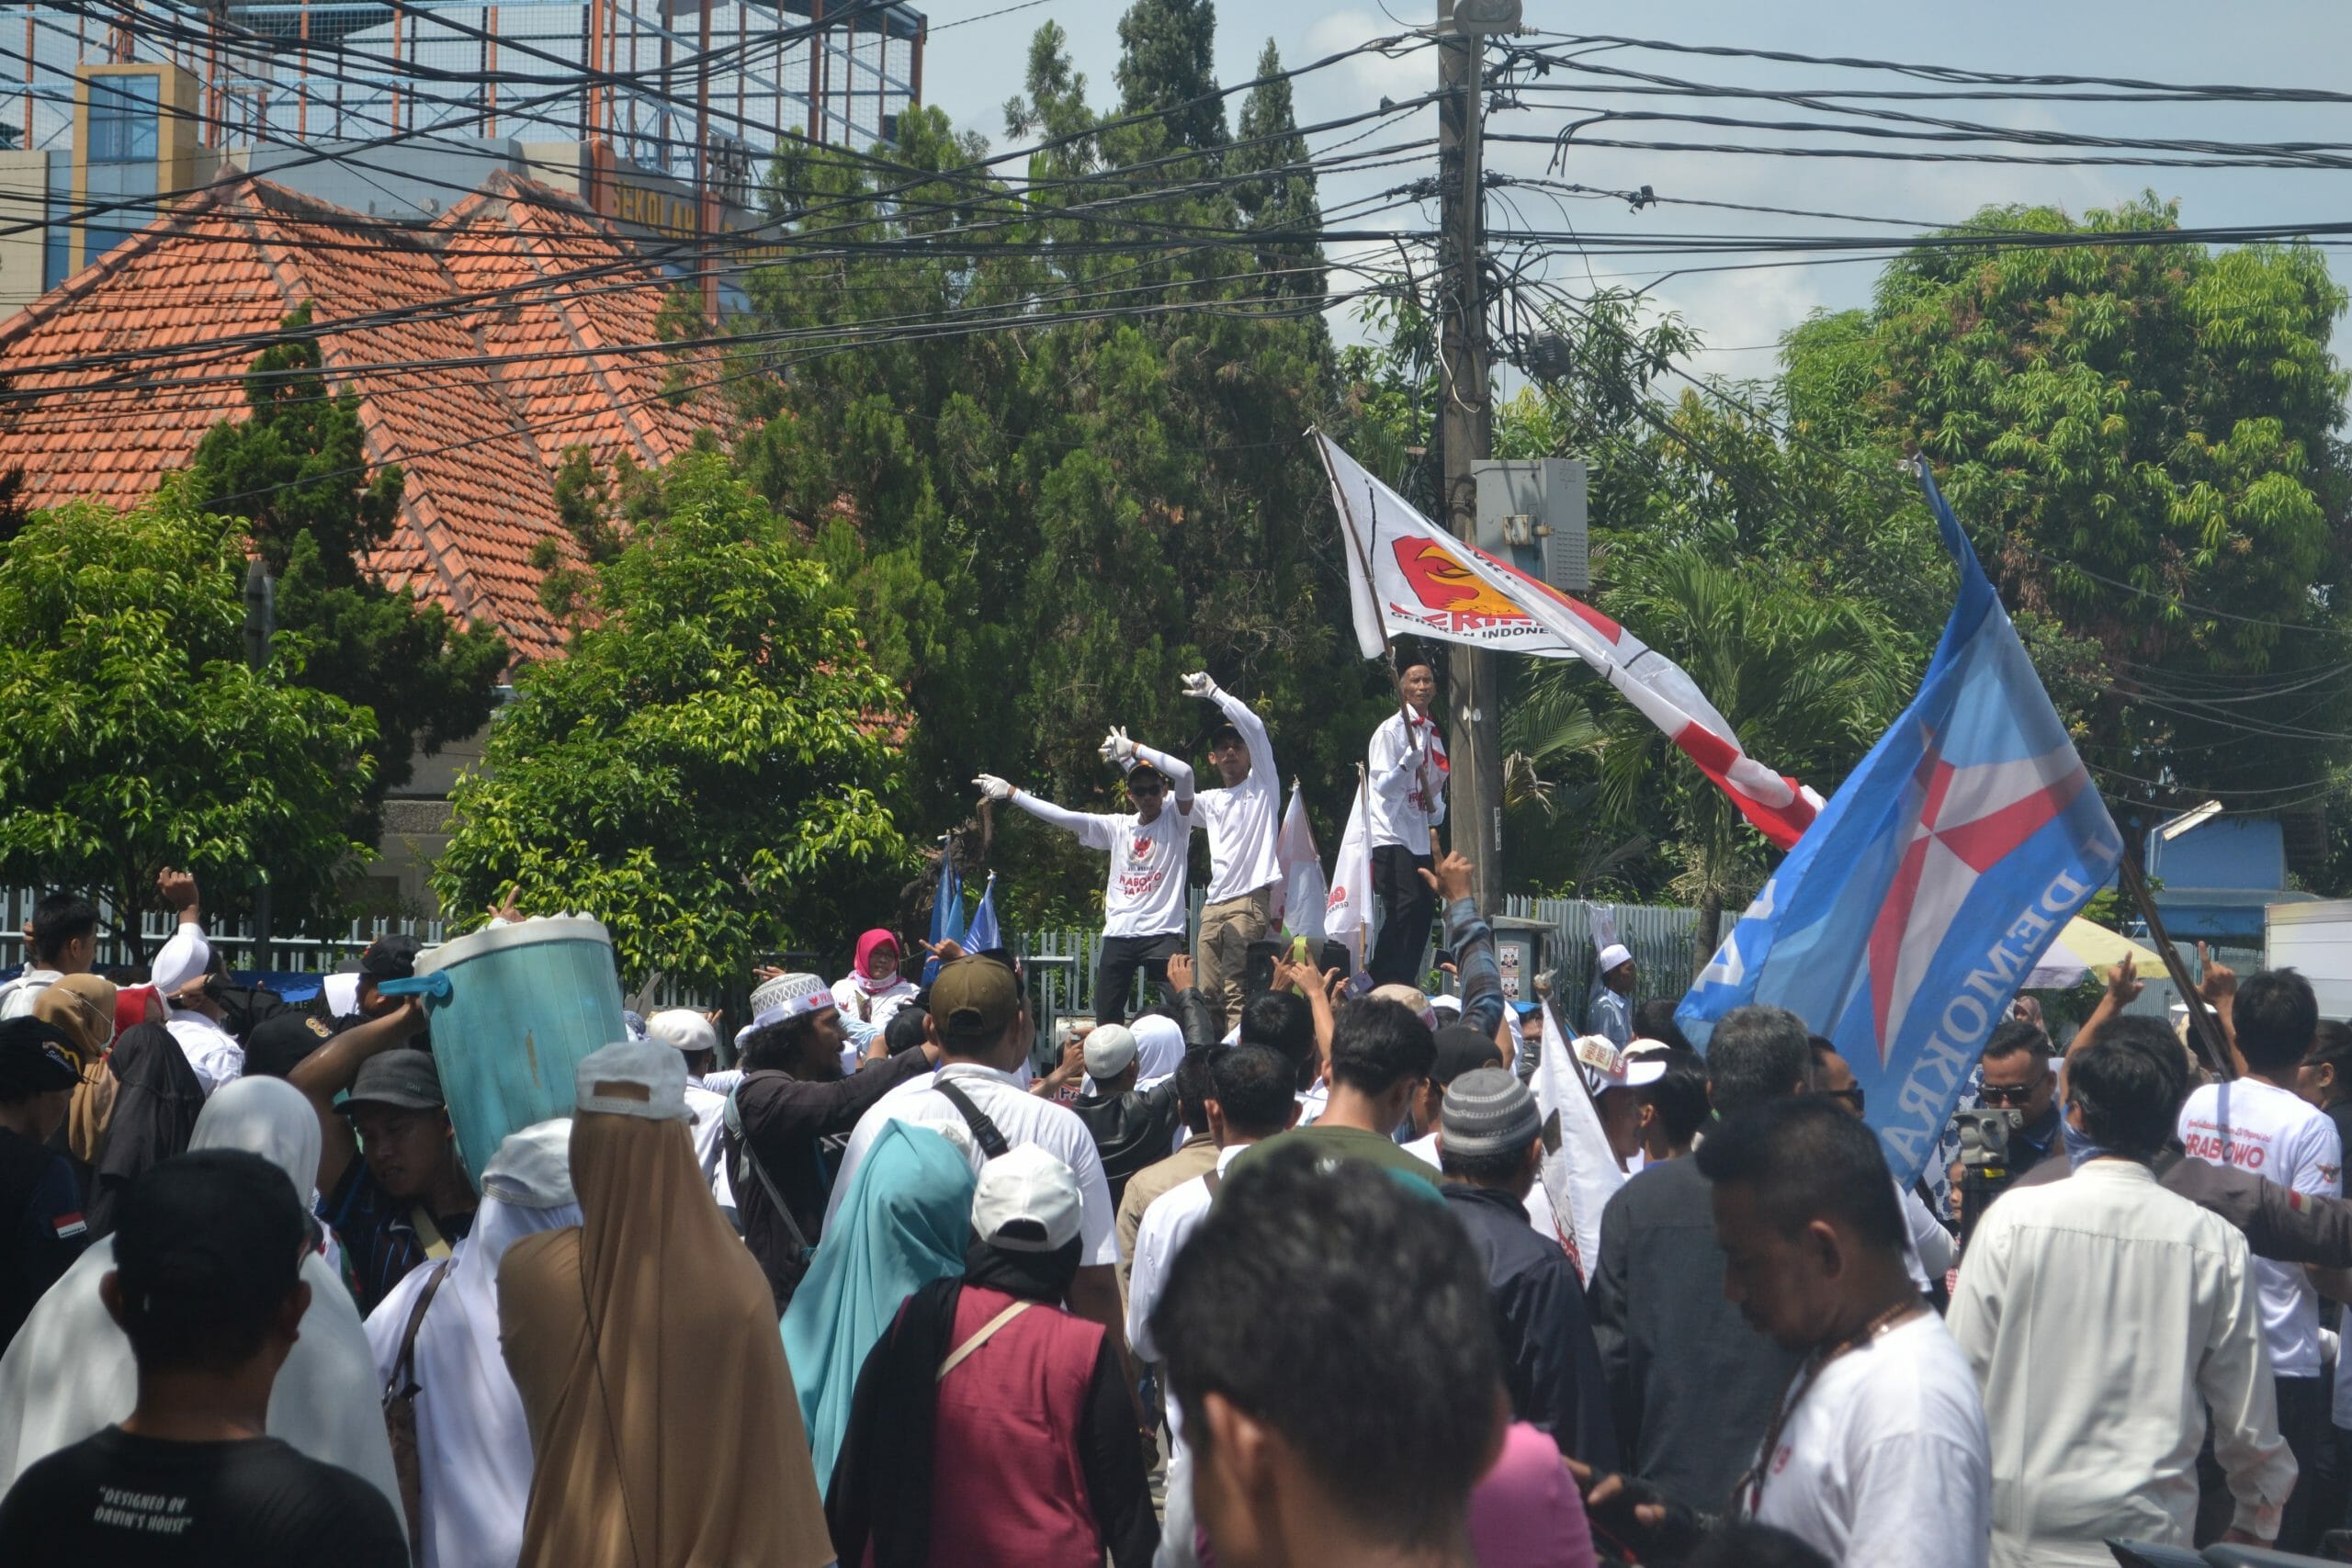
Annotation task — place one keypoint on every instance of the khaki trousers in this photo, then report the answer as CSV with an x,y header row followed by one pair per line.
x,y
1227,930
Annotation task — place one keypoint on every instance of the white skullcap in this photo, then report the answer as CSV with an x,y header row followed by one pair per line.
x,y
532,1170
1616,953
1026,1184
657,1069
181,959
681,1029
1109,1049
789,996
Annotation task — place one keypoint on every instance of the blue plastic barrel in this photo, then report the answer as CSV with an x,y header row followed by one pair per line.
x,y
525,1002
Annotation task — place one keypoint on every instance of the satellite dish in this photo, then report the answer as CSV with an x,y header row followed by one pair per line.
x,y
1479,16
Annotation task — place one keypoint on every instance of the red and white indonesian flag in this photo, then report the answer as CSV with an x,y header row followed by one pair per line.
x,y
1425,582
1347,908
1301,895
1581,1171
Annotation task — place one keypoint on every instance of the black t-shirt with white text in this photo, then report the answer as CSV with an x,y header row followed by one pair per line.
x,y
129,1502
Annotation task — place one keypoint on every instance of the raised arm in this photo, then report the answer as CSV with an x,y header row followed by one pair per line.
x,y
329,1070
1090,830
1118,748
1472,941
1200,684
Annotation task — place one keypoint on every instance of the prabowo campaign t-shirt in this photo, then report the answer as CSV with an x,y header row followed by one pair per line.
x,y
1884,1459
1145,895
2271,1132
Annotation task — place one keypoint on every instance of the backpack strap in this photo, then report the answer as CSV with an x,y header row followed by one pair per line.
x,y
987,1331
752,1165
985,1132
404,1368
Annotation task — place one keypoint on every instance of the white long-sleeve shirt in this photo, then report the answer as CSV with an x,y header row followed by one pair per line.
x,y
1243,819
2103,1317
1146,892
1406,793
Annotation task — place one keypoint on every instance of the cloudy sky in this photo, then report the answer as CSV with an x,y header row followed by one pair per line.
x,y
971,69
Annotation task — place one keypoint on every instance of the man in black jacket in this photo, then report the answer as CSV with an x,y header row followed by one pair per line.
x,y
1131,1128
1693,1385
1490,1148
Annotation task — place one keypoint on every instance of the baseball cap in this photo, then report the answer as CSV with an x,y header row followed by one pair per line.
x,y
280,1043
1462,1049
1621,1069
403,1079
605,1077
391,956
532,1170
975,996
1026,1201
1487,1111
1109,1050
681,1029
37,1058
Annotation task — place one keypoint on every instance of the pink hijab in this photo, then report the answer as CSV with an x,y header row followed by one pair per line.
x,y
870,943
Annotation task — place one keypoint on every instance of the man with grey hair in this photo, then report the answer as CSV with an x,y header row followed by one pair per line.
x,y
1692,1384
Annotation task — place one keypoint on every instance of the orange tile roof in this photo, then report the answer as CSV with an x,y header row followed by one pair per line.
x,y
481,347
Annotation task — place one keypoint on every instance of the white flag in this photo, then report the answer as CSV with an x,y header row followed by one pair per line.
x,y
1347,909
1580,1171
1300,895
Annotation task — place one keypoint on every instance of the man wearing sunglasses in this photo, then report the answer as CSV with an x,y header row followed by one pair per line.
x,y
1147,900
2018,1076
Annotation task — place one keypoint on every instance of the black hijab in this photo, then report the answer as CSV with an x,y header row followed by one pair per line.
x,y
156,1099
881,1482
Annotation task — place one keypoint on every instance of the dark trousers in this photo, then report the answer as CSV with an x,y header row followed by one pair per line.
x,y
2305,1420
1406,907
1114,976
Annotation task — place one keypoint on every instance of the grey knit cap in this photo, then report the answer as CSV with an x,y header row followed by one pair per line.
x,y
1487,1111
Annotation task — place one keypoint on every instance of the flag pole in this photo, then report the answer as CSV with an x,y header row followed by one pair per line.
x,y
2203,1020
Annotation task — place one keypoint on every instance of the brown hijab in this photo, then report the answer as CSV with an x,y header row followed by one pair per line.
x,y
664,1427
83,1006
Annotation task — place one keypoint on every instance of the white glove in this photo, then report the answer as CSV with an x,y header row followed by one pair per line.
x,y
1200,684
1117,746
994,787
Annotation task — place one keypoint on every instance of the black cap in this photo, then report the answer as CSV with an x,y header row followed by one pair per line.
x,y
279,1041
37,1058
390,957
1462,1049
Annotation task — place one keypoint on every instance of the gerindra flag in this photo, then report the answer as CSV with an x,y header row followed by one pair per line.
x,y
1902,922
1406,575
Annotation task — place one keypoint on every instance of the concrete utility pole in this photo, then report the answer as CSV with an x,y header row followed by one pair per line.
x,y
1465,431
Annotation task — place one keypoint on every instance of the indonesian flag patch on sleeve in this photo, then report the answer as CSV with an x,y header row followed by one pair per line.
x,y
69,1227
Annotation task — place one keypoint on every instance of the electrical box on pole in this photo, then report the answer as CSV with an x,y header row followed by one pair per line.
x,y
1533,515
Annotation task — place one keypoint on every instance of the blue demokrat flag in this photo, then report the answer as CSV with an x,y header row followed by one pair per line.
x,y
1900,923
946,911
981,932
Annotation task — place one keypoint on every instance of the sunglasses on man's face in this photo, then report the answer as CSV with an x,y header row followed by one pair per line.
x,y
1139,791
2009,1094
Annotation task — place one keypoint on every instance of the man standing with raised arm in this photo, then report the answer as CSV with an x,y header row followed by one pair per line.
x,y
1144,900
1405,797
1242,819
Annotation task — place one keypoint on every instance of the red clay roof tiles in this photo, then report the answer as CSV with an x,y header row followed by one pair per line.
x,y
481,347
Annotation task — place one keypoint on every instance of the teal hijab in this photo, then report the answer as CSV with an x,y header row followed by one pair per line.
x,y
902,1224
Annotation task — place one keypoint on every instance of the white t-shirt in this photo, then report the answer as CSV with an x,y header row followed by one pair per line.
x,y
16,996
1022,1117
1884,1459
1146,894
2272,1131
211,1050
1243,819
1405,787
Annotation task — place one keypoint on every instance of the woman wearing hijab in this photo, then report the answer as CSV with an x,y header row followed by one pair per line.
x,y
873,990
70,1372
663,1423
902,1224
1160,1047
83,1006
991,1428
473,1443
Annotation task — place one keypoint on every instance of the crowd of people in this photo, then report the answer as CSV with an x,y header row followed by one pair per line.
x,y
1263,1269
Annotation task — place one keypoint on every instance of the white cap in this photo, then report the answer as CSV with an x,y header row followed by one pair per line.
x,y
1615,1068
532,1170
1109,1050
681,1029
1616,953
789,996
181,959
1030,1189
658,1070
1446,1004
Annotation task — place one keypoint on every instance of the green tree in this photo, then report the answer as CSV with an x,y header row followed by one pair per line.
x,y
295,470
1280,203
710,770
133,736
2142,440
1168,67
